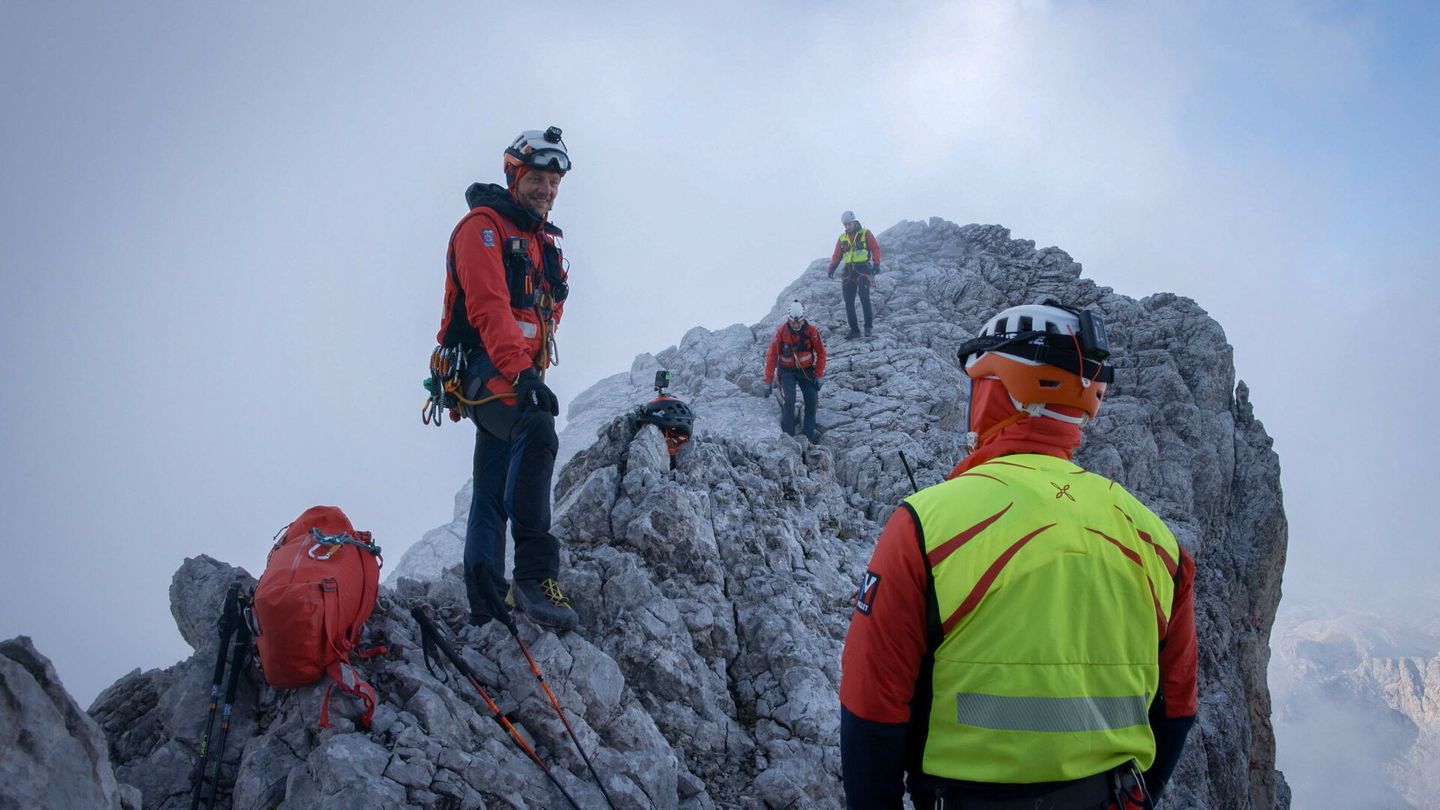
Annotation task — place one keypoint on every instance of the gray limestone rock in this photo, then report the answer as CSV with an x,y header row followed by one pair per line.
x,y
54,755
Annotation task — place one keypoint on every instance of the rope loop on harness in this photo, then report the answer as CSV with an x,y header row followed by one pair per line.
x,y
445,386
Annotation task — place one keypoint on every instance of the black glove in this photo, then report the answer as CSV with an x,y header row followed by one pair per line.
x,y
874,269
531,393
818,382
830,273
768,389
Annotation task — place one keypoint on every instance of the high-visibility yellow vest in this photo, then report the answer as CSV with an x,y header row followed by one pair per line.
x,y
1054,586
856,250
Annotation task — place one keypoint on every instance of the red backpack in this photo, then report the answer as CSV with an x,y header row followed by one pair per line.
x,y
317,591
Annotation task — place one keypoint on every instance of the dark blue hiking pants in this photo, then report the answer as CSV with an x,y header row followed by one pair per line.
x,y
789,379
514,458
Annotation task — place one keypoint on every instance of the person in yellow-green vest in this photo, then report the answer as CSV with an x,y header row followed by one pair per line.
x,y
858,255
1024,635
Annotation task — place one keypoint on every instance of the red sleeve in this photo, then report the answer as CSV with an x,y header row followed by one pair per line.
x,y
874,247
835,257
819,350
771,356
481,271
886,641
1178,658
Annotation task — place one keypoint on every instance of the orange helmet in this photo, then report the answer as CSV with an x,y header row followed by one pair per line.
x,y
1045,355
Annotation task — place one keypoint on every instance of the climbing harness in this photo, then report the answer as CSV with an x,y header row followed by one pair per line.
x,y
237,627
431,640
447,364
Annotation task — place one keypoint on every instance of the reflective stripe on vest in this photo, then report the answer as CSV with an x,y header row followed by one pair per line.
x,y
856,248
1003,713
796,348
1053,588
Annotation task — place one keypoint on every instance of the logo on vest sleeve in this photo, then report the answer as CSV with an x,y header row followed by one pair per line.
x,y
865,597
488,236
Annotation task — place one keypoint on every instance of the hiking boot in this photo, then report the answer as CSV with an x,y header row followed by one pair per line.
x,y
853,333
867,331
543,602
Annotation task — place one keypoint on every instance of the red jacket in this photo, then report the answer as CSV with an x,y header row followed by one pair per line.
x,y
795,348
478,311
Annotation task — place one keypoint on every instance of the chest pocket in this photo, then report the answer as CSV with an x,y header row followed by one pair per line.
x,y
520,275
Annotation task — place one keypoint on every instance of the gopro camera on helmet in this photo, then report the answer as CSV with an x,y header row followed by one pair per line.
x,y
552,135
1093,341
662,380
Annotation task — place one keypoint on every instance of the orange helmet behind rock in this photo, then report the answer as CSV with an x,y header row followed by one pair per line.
x,y
1045,355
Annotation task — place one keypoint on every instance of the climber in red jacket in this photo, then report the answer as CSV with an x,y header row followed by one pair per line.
x,y
799,354
1024,635
505,290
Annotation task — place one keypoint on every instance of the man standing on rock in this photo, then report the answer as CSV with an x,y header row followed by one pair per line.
x,y
799,354
504,293
1025,633
858,255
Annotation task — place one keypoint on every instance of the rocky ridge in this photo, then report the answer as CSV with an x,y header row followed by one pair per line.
x,y
715,595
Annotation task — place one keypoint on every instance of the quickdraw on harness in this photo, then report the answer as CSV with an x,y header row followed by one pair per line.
x,y
431,640
445,386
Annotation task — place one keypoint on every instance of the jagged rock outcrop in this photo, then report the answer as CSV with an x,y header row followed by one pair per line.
x,y
715,594
52,754
1357,706
431,743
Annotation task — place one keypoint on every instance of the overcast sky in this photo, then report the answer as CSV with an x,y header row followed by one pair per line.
x,y
224,228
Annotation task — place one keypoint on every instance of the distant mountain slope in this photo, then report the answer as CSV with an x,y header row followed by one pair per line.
x,y
1357,706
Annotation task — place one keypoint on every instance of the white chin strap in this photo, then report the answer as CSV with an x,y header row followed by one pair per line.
x,y
1039,409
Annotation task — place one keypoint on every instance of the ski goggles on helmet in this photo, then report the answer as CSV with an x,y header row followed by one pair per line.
x,y
548,159
541,150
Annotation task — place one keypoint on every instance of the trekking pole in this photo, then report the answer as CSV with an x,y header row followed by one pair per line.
x,y
487,586
430,638
226,626
239,656
913,486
